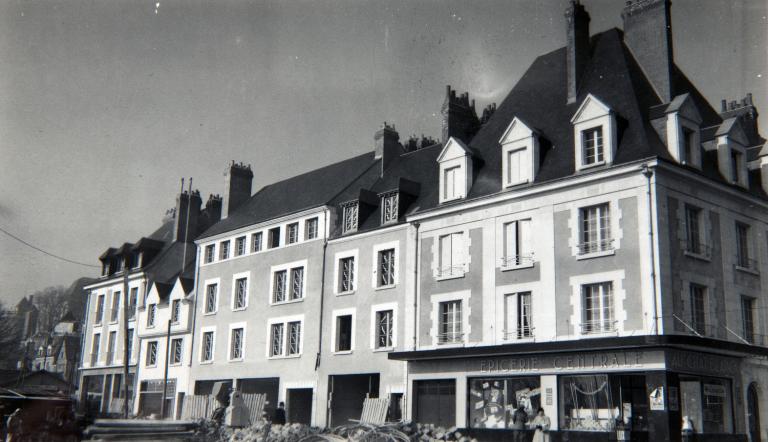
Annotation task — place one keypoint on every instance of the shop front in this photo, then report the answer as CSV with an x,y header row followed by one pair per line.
x,y
641,392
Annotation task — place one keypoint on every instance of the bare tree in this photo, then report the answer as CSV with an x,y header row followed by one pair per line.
x,y
10,337
52,304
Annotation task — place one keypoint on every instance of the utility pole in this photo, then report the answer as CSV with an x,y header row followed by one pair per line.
x,y
126,267
165,377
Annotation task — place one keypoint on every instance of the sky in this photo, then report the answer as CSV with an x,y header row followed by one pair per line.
x,y
106,105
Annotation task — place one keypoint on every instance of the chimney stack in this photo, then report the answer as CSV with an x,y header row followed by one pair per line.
x,y
578,50
239,179
648,35
187,204
746,112
459,116
387,145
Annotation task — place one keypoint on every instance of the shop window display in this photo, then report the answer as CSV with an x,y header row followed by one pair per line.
x,y
601,402
707,403
492,401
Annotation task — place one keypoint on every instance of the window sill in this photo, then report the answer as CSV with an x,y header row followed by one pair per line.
x,y
98,324
347,293
343,352
450,276
746,270
596,254
235,360
150,326
239,309
516,183
291,301
210,313
507,268
385,287
206,362
132,319
450,345
592,165
384,349
280,357
151,366
177,364
699,256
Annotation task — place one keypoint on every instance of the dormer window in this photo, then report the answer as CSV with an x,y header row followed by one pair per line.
x,y
736,160
594,132
731,152
520,153
350,217
682,130
455,170
389,208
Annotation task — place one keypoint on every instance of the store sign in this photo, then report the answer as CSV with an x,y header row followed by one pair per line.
x,y
617,360
714,390
686,361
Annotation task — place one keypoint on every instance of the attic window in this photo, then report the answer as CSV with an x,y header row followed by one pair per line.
x,y
456,166
592,146
389,208
451,183
350,217
520,153
736,177
594,132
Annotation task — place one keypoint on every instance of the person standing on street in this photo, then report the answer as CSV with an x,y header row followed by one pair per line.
x,y
541,425
279,414
519,421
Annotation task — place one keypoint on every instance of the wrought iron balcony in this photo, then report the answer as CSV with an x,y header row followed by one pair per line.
x,y
696,248
599,326
450,338
601,245
517,260
519,333
448,271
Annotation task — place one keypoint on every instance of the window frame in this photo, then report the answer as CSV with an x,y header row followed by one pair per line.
x,y
459,248
450,332
311,228
257,242
698,295
210,253
273,238
114,313
350,216
240,245
233,328
224,250
150,359
151,315
177,348
390,207
284,324
605,302
237,278
211,284
603,232
336,331
291,233
175,311
204,331
524,255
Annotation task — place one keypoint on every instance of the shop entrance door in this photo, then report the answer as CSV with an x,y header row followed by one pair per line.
x,y
753,413
435,402
346,394
299,404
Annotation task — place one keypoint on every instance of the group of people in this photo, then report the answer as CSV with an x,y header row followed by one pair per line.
x,y
540,423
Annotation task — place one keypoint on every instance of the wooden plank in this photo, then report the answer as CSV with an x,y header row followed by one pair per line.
x,y
374,410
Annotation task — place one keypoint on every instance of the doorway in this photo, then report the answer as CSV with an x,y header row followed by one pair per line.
x,y
753,413
299,405
346,394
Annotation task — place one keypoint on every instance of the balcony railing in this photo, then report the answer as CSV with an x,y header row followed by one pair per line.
x,y
696,248
450,338
517,260
601,245
599,326
519,333
94,359
448,271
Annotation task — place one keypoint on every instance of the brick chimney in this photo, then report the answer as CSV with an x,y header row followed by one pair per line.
x,y
387,145
648,35
747,114
211,214
578,50
187,204
459,116
239,179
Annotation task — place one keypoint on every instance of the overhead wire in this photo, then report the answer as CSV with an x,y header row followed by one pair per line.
x,y
53,255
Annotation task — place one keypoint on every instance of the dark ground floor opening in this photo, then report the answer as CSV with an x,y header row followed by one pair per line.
x,y
346,394
267,386
102,393
298,405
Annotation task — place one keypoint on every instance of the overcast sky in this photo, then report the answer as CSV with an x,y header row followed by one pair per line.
x,y
105,105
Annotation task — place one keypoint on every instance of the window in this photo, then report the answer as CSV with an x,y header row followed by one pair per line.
x,y
210,298
389,208
209,253
595,229
279,288
276,338
130,343
175,311
688,146
292,233
597,308
274,238
241,293
350,213
100,309
742,246
224,250
735,166
310,229
256,240
151,354
135,260
347,274
119,265
294,338
344,333
207,346
133,300
693,243
176,351
240,246
748,318
151,313
386,267
491,398
115,307
384,329
452,183
592,146
452,253
518,250
597,402
450,327
698,308
518,165
519,319
708,403
281,291
297,283
95,348
111,347
236,349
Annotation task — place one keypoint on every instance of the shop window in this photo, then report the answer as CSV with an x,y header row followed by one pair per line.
x,y
600,402
492,401
707,403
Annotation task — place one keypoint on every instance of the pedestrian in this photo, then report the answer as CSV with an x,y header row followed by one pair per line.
x,y
279,414
519,421
14,425
541,425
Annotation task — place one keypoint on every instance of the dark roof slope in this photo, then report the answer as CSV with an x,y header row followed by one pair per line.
x,y
295,194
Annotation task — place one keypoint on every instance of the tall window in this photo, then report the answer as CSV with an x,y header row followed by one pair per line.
x,y
389,208
310,229
519,317
297,283
294,338
210,298
384,329
241,293
100,309
95,348
693,229
386,267
111,347
209,253
518,249
240,246
452,183
151,313
344,333
175,311
747,318
735,166
115,307
130,343
698,308
595,229
292,233
597,308
688,146
274,238
276,338
517,171
207,346
176,351
151,354
592,145
256,240
452,254
450,327
742,246
350,213
346,274
133,299
236,351
280,286
224,250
